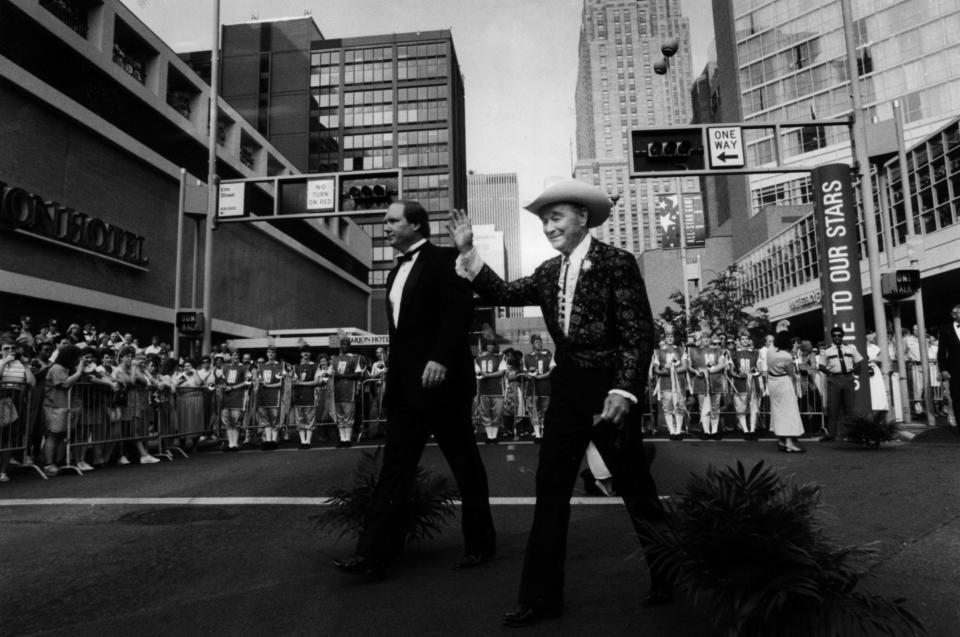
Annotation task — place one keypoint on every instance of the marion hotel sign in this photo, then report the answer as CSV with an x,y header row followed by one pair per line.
x,y
29,213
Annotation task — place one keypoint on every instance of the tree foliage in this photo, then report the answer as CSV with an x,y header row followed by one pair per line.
x,y
723,305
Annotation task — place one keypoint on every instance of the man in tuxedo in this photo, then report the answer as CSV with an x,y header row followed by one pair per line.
x,y
948,360
596,309
429,390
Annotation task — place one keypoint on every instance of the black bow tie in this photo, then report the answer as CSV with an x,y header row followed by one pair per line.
x,y
407,256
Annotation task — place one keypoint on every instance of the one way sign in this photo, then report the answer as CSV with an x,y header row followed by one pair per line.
x,y
726,147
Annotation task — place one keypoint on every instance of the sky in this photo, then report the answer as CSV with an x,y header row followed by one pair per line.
x,y
518,59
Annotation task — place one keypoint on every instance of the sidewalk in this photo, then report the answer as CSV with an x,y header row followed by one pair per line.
x,y
919,431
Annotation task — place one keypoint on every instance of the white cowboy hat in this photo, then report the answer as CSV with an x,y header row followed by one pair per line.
x,y
576,192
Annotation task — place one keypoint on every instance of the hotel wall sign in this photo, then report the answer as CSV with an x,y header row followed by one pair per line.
x,y
29,213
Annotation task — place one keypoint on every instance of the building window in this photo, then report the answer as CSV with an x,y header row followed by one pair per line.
x,y
72,13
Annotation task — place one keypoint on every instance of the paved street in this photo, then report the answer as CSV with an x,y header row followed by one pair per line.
x,y
224,544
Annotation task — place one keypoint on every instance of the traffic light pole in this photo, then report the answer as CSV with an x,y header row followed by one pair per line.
x,y
862,161
907,191
211,184
887,225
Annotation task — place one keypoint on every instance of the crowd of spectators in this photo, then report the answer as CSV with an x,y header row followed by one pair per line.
x,y
40,364
132,396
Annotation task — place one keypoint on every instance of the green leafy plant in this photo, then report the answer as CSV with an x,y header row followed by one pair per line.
x,y
723,305
870,430
745,547
429,502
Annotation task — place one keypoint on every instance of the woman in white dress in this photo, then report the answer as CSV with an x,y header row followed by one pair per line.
x,y
878,392
781,382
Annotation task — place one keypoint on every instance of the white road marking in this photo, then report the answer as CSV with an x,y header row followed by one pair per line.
x,y
265,501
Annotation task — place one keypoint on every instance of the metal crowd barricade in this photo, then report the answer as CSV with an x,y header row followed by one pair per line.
x,y
16,417
179,416
810,401
100,416
371,397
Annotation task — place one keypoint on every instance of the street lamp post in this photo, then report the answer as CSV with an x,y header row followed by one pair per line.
x,y
211,183
669,48
862,160
907,192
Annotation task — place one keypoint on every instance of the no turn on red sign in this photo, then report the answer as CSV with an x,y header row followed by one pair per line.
x,y
726,147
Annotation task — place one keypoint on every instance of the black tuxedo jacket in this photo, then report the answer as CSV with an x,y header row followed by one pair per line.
x,y
434,325
948,353
611,326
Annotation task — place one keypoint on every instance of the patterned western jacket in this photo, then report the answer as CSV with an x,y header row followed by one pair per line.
x,y
610,324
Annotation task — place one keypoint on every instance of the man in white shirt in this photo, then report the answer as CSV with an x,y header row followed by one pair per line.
x,y
841,363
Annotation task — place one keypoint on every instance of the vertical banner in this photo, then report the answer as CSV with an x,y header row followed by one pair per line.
x,y
693,222
668,218
835,212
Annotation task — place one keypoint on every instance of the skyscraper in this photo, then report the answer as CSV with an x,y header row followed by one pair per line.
x,y
617,90
495,199
786,61
351,104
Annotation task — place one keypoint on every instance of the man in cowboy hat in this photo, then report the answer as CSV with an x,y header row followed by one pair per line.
x,y
596,309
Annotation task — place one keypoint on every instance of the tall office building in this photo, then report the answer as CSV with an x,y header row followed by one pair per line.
x,y
790,65
617,90
356,104
494,199
786,61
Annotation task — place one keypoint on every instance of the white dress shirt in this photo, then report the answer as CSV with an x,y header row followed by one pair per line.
x,y
396,290
576,259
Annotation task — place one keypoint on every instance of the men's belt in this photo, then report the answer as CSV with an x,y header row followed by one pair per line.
x,y
839,374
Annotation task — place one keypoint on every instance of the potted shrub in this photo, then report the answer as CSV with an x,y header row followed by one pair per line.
x,y
746,548
429,502
870,430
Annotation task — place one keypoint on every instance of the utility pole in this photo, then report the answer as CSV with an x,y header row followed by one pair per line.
x,y
211,183
862,161
907,191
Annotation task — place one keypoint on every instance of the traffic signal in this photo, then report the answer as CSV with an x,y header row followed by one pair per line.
x,y
899,284
672,149
368,193
667,149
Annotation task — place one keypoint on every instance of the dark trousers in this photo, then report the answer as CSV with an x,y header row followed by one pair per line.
x,y
840,401
576,396
407,433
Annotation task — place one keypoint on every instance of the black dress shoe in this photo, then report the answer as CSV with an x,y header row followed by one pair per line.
x,y
473,559
826,438
658,597
530,615
359,565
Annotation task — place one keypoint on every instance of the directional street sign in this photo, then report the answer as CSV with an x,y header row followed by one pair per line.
x,y
726,147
